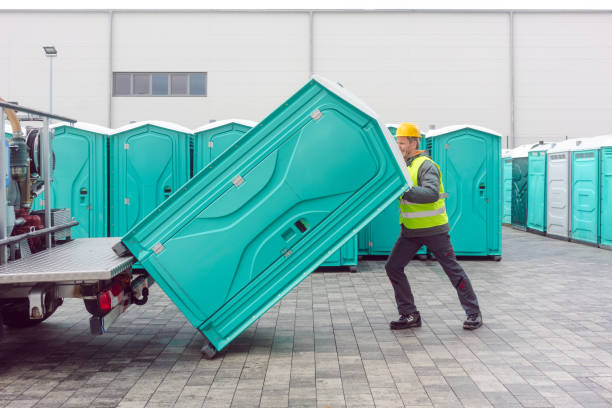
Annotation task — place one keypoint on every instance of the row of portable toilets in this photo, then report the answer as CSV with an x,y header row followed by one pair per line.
x,y
563,190
111,179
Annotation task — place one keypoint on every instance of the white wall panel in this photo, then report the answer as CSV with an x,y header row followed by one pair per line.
x,y
430,68
80,71
254,61
563,75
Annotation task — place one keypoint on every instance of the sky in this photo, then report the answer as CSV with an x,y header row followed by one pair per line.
x,y
313,4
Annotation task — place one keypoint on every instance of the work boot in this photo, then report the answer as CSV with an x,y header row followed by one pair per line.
x,y
406,321
473,321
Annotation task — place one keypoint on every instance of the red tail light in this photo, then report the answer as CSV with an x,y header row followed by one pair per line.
x,y
105,301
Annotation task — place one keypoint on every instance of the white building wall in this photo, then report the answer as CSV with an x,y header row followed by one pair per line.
x,y
254,61
436,68
80,71
563,75
428,68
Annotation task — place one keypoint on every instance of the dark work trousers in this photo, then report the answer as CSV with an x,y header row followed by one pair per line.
x,y
403,252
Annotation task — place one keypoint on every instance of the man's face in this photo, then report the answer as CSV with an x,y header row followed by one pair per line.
x,y
408,146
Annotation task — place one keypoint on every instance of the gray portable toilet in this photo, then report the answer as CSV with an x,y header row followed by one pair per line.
x,y
558,188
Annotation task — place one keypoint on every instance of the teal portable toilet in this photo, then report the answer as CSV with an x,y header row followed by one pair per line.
x,y
506,186
558,188
80,176
378,237
520,174
587,192
469,158
149,161
210,140
536,188
247,229
605,194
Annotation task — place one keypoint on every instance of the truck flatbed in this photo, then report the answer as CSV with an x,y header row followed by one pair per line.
x,y
83,259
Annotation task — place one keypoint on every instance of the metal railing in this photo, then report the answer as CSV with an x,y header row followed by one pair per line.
x,y
46,173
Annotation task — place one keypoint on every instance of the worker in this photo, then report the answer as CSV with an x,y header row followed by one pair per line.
x,y
424,221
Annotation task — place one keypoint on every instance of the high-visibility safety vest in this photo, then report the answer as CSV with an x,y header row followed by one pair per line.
x,y
417,216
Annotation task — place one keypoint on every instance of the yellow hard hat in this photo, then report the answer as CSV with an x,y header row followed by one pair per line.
x,y
407,130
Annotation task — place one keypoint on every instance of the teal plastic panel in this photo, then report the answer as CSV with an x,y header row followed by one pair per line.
x,y
605,210
253,224
470,161
585,196
520,171
536,191
346,255
148,164
507,190
80,179
213,139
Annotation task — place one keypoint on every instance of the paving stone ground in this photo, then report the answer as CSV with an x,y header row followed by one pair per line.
x,y
546,342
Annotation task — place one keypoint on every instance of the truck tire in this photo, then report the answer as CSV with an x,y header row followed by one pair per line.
x,y
17,315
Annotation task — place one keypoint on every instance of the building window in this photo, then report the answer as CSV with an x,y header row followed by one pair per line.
x,y
179,84
122,84
160,84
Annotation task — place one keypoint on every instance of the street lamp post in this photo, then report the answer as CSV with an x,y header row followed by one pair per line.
x,y
50,51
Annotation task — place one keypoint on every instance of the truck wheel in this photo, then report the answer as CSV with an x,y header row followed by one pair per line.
x,y
208,351
353,268
422,257
496,258
17,315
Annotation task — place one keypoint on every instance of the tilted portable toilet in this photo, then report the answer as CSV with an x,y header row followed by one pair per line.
x,y
520,172
470,162
379,236
587,192
605,178
558,188
536,187
210,140
214,138
245,231
506,186
149,161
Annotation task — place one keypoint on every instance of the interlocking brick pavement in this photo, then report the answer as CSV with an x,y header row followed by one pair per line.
x,y
546,342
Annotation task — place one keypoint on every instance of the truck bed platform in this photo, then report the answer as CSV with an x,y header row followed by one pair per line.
x,y
83,259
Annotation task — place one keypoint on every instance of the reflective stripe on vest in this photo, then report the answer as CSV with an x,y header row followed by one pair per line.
x,y
417,216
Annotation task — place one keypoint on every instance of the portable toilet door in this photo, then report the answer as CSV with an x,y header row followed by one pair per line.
x,y
520,171
586,190
605,208
214,138
506,186
149,161
469,159
558,188
536,188
80,176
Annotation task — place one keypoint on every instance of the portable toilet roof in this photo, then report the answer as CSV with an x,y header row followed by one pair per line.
x,y
453,128
394,125
542,146
224,122
595,142
89,127
158,123
505,153
567,145
521,151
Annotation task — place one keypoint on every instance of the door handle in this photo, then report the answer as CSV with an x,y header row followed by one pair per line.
x,y
482,189
167,191
83,195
